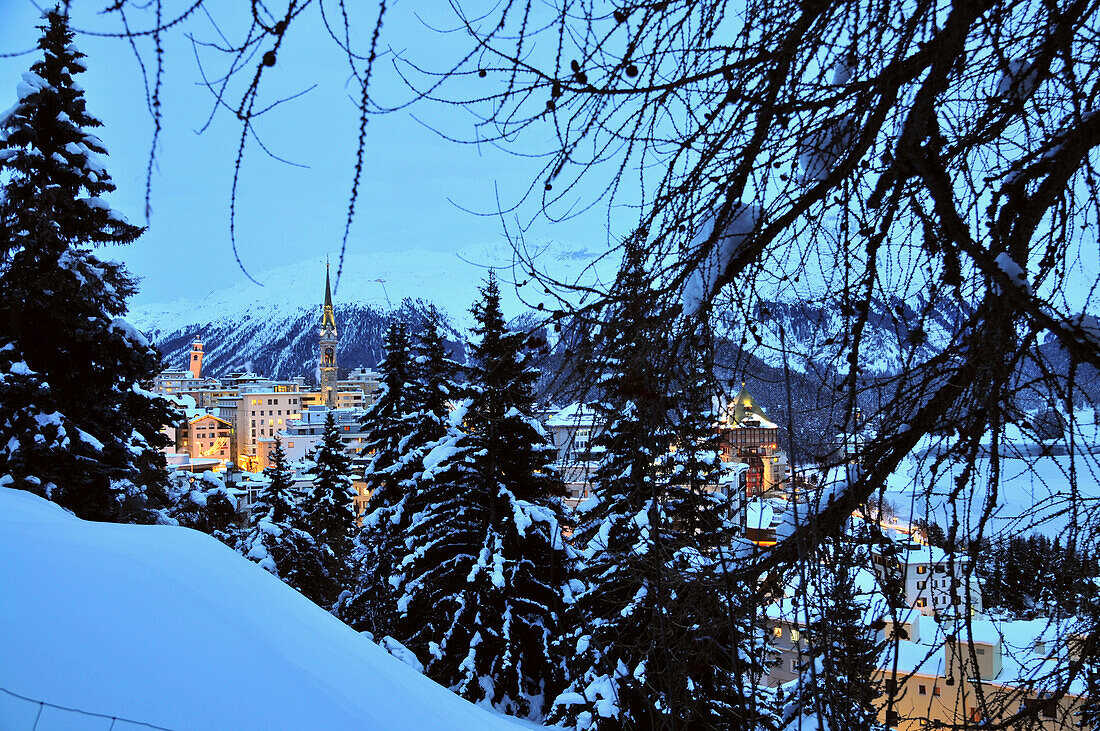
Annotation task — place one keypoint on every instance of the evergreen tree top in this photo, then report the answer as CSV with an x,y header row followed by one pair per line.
x,y
275,500
50,157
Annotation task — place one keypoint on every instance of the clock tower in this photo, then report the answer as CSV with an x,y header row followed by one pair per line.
x,y
329,340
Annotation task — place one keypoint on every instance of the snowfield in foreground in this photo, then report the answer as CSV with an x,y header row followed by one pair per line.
x,y
166,626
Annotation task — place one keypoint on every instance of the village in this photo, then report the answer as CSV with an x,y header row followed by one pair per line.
x,y
920,597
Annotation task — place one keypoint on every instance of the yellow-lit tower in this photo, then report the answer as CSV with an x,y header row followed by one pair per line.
x,y
195,364
329,339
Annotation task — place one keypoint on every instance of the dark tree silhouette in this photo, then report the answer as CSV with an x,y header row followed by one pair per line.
x,y
75,422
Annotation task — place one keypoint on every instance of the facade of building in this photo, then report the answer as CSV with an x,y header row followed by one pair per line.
x,y
573,430
206,436
172,382
748,437
934,582
953,671
261,411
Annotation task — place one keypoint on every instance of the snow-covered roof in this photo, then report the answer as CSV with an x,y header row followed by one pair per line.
x,y
203,415
574,415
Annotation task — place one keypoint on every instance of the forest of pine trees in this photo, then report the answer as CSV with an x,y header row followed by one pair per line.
x,y
1033,576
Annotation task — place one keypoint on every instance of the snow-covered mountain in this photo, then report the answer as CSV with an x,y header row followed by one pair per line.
x,y
897,332
272,329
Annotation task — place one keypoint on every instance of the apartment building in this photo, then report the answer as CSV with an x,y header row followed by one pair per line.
x,y
933,581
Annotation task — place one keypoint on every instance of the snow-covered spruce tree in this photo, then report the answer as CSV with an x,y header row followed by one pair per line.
x,y
330,516
204,503
650,633
276,539
75,423
370,603
486,558
425,380
835,689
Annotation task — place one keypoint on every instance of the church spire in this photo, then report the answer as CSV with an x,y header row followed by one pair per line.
x,y
328,319
329,340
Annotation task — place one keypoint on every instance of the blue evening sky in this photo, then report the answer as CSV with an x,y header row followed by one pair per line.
x,y
414,186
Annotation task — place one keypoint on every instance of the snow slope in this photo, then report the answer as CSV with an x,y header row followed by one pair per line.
x,y
168,627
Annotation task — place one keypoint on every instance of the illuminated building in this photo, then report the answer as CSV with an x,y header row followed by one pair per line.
x,y
195,364
262,410
750,438
329,339
206,436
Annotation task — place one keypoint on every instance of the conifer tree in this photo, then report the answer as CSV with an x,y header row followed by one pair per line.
x,y
836,685
204,503
330,519
75,423
276,539
422,380
486,562
653,638
434,381
370,604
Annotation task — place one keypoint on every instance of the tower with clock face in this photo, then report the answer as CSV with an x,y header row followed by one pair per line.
x,y
329,339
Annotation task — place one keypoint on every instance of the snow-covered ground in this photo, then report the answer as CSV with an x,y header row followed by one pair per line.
x,y
166,626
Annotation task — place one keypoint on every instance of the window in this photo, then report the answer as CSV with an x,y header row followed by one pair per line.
x,y
922,690
979,650
935,690
941,569
794,635
778,631
922,602
794,665
290,445
922,569
921,584
891,686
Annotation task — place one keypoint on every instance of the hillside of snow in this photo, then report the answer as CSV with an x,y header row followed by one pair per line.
x,y
166,626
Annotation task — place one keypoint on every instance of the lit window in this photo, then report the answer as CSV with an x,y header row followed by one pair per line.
x,y
922,569
795,634
778,631
922,602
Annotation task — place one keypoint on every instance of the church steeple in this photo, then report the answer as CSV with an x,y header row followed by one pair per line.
x,y
329,340
328,319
